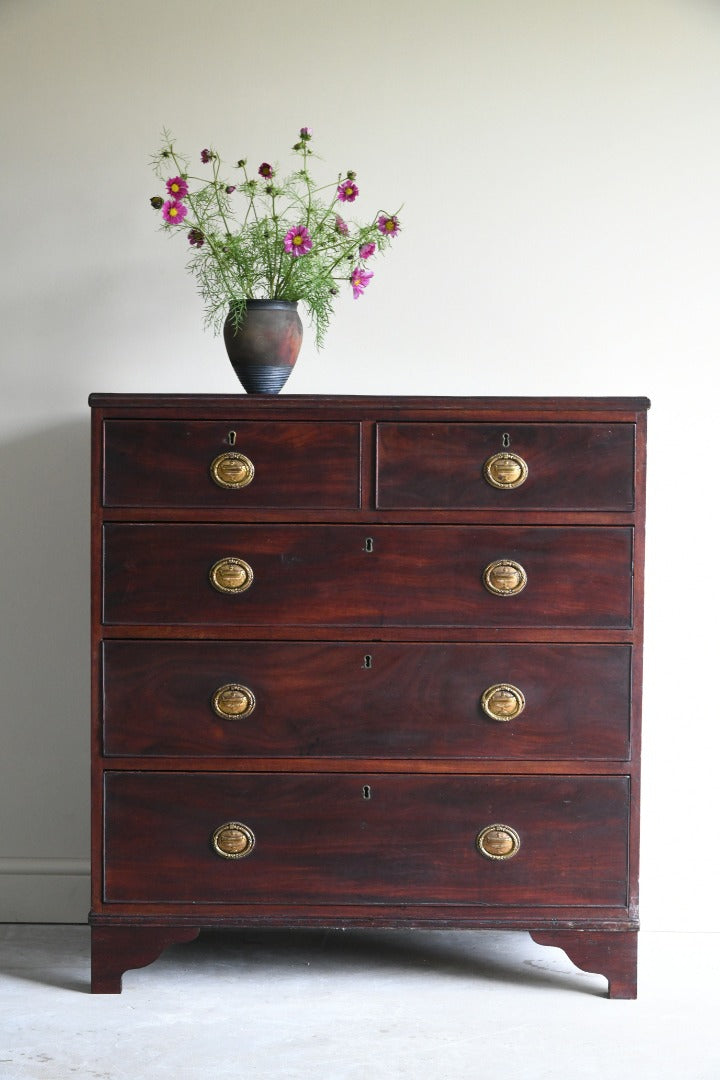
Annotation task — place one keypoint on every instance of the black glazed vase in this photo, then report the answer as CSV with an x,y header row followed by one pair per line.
x,y
264,347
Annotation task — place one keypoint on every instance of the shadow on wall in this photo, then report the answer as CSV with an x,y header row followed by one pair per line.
x,y
44,667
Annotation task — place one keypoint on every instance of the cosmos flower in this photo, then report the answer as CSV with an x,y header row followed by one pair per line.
x,y
367,250
388,226
341,226
305,133
206,155
196,238
266,170
347,191
297,241
174,211
176,187
359,279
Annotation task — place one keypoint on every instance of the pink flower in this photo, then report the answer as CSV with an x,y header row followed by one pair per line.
x,y
174,211
347,191
266,170
367,250
359,279
341,226
297,241
176,188
388,226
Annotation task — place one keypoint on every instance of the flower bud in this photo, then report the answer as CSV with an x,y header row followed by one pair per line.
x,y
241,163
156,202
351,175
229,189
305,133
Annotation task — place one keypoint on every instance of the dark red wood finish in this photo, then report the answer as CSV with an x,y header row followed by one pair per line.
x,y
371,838
570,466
366,786
365,699
167,463
323,575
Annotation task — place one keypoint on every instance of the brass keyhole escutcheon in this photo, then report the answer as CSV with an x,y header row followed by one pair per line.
x,y
231,575
233,701
233,840
503,702
498,842
232,470
505,470
504,577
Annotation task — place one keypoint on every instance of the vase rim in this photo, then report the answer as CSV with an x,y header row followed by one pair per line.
x,y
271,303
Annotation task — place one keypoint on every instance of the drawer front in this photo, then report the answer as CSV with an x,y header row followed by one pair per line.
x,y
360,838
389,700
341,575
569,466
166,463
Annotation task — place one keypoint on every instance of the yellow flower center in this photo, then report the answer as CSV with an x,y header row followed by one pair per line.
x,y
173,211
297,240
175,188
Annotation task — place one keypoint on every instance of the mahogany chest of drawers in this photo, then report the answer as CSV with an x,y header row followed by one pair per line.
x,y
366,662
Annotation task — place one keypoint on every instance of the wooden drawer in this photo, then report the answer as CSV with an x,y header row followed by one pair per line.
x,y
372,699
570,466
165,463
325,576
321,838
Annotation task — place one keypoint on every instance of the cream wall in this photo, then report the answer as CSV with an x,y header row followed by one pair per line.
x,y
559,165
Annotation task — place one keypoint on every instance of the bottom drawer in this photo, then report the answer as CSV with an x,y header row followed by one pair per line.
x,y
365,838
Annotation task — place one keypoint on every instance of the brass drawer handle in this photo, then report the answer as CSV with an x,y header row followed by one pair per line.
x,y
497,842
233,701
232,470
504,577
233,840
505,470
231,575
503,701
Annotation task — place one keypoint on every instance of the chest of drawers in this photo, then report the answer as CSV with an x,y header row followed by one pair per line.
x,y
366,662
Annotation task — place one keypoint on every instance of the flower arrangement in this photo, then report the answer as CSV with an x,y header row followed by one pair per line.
x,y
262,237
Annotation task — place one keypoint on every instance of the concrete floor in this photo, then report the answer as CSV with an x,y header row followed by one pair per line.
x,y
355,1006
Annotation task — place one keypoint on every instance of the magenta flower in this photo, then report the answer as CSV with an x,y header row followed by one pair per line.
x,y
347,191
341,226
367,250
359,279
297,241
388,226
174,211
196,238
266,170
176,188
206,155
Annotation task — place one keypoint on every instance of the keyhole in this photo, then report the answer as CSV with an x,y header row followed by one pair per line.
x,y
369,543
506,440
232,436
367,661
367,793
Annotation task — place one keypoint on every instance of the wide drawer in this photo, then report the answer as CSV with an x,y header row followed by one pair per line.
x,y
165,463
569,466
341,575
366,699
366,838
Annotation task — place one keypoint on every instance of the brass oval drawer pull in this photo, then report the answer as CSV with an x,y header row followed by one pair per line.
x,y
503,701
233,840
505,470
232,470
231,575
504,577
497,842
233,701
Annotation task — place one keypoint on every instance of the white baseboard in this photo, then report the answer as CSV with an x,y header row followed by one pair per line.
x,y
44,890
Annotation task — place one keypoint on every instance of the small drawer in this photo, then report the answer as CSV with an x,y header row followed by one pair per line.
x,y
345,575
516,466
397,700
166,463
184,838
